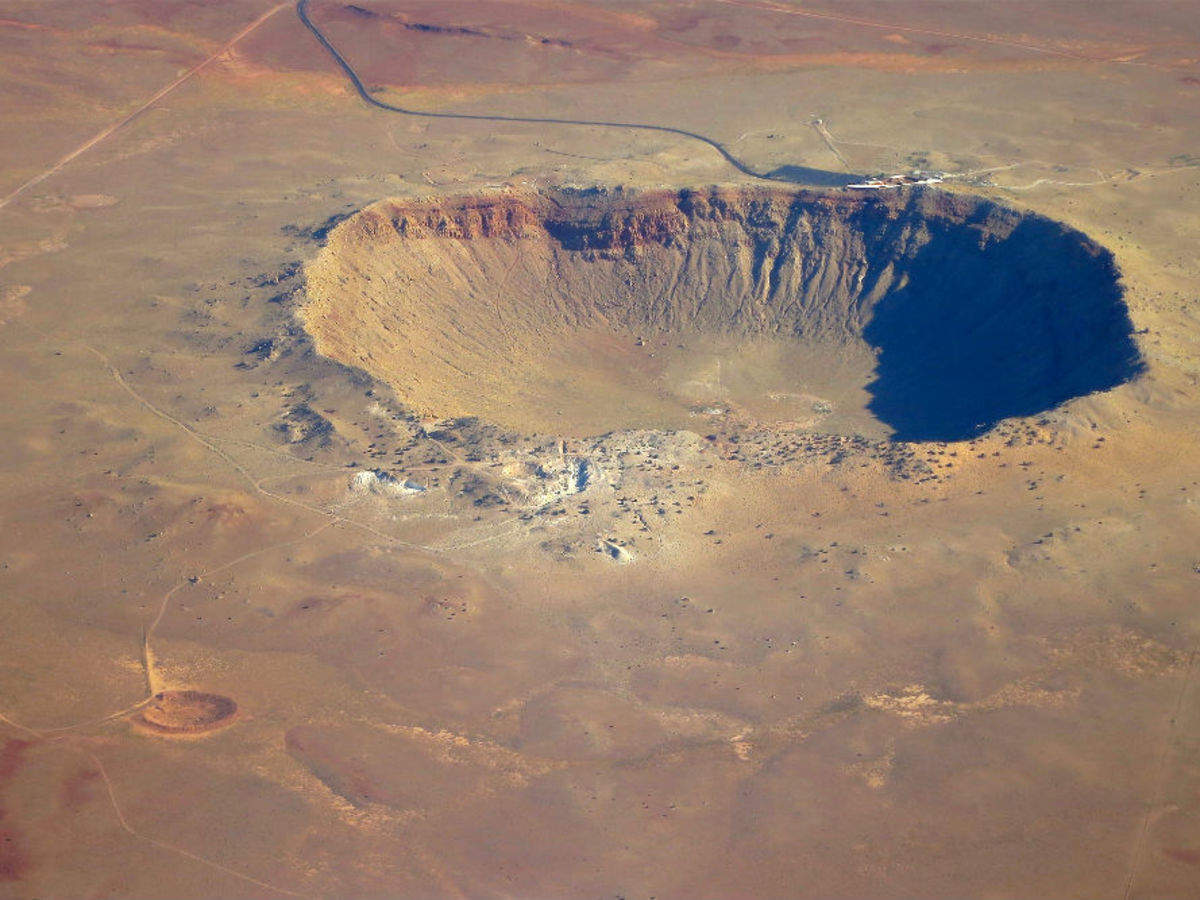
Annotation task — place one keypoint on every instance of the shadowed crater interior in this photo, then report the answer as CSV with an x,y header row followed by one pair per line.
x,y
920,314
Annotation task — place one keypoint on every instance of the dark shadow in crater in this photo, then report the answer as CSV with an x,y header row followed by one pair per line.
x,y
1010,328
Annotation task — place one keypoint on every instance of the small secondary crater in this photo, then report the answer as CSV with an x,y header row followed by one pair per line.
x,y
920,315
185,713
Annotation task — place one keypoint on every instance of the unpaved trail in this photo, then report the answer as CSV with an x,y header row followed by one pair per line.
x,y
120,123
1162,771
828,139
163,845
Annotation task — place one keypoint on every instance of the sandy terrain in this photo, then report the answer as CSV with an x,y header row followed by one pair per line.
x,y
599,589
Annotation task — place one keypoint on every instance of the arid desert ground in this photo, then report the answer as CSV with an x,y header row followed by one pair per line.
x,y
406,499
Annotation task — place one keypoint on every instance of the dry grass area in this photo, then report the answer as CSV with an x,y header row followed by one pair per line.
x,y
703,632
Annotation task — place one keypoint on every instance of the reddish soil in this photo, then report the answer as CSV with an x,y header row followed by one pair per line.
x,y
14,861
77,788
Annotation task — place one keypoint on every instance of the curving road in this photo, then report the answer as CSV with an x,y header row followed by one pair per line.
x,y
792,174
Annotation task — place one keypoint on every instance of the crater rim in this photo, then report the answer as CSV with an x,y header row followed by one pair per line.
x,y
601,226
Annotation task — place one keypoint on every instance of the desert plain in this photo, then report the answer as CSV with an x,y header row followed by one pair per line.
x,y
409,505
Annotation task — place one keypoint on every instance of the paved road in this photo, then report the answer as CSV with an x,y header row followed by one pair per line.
x,y
791,174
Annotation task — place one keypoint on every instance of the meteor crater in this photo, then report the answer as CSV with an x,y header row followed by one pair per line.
x,y
920,315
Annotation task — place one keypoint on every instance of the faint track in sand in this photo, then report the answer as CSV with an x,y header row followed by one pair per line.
x,y
1120,178
245,473
154,683
828,139
331,515
787,9
120,123
163,845
1139,846
119,813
